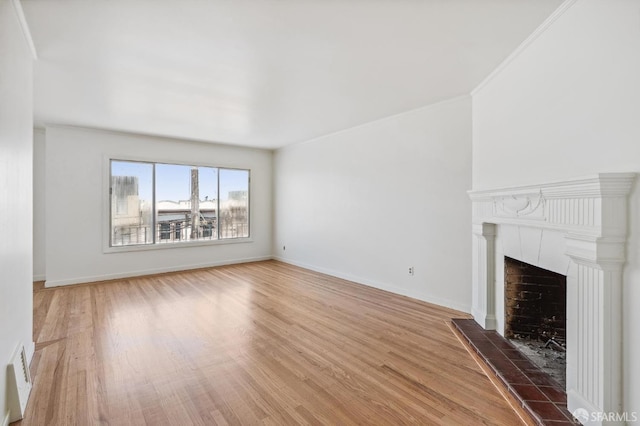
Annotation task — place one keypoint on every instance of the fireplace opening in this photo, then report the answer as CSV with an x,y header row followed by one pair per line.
x,y
535,315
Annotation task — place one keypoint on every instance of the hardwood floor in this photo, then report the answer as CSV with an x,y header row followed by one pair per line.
x,y
259,343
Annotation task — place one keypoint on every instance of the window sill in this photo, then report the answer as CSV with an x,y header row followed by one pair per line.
x,y
174,245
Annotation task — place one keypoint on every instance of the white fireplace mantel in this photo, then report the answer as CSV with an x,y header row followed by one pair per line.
x,y
591,214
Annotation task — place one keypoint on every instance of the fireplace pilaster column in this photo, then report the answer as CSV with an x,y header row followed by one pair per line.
x,y
594,383
483,298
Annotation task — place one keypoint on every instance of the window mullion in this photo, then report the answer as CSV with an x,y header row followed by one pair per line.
x,y
153,204
218,222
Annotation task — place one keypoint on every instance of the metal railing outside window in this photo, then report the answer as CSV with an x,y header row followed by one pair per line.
x,y
159,203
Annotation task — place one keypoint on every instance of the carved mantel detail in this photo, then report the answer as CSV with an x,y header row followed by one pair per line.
x,y
531,205
591,213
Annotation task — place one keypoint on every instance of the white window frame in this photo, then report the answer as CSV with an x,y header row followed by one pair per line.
x,y
106,208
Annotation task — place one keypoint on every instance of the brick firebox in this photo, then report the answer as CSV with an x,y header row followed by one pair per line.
x,y
535,302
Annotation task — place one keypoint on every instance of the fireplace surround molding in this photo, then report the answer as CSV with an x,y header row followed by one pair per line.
x,y
591,214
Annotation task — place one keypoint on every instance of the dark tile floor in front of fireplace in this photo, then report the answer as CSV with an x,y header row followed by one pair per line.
x,y
540,395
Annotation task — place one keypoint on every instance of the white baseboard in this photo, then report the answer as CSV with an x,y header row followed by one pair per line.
x,y
380,285
370,283
41,277
5,422
130,274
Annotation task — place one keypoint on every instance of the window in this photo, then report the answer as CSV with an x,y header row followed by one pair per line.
x,y
131,203
158,203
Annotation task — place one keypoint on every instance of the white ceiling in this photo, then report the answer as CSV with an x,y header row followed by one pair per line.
x,y
263,73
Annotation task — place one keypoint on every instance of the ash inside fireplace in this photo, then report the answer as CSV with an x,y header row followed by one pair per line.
x,y
548,359
535,315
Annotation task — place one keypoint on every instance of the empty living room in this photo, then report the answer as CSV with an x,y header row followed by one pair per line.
x,y
290,212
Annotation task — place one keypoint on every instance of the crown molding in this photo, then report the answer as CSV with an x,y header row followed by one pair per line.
x,y
17,6
566,5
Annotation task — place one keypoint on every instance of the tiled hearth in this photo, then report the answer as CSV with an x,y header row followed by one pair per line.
x,y
539,395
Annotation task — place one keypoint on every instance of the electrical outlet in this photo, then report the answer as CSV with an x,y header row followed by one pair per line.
x,y
411,271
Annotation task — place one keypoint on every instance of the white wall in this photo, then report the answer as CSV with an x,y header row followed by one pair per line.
x,y
39,205
16,141
77,205
367,203
566,106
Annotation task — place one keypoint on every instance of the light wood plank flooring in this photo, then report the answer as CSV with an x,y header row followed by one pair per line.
x,y
258,343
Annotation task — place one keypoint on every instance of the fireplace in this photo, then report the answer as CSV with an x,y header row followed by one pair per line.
x,y
577,228
535,307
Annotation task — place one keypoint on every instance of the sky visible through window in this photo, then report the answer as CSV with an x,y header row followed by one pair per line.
x,y
173,181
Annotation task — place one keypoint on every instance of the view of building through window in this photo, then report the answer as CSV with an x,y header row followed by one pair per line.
x,y
156,203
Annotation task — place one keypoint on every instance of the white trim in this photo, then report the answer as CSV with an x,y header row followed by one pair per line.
x,y
39,277
379,285
555,205
138,273
175,245
17,6
537,33
585,186
5,422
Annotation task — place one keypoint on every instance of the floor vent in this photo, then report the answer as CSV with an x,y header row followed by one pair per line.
x,y
19,384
